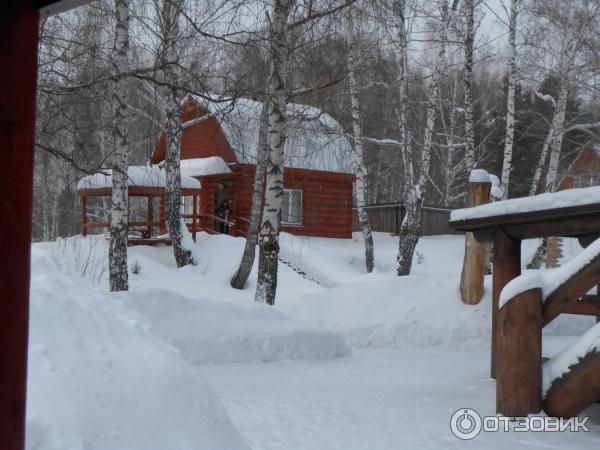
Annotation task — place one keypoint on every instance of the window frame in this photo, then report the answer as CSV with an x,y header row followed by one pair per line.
x,y
293,224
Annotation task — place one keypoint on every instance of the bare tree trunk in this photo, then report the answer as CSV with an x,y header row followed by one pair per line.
x,y
241,275
409,231
468,85
360,186
173,218
118,276
553,141
558,125
542,161
266,287
510,102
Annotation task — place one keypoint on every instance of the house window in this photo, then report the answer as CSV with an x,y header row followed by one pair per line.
x,y
291,207
587,180
188,207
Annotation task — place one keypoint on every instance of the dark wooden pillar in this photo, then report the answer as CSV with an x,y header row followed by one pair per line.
x,y
194,213
473,271
149,217
18,72
83,202
519,347
162,208
507,265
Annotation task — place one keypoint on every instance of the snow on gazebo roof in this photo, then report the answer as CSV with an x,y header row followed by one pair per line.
x,y
199,167
140,176
562,199
314,141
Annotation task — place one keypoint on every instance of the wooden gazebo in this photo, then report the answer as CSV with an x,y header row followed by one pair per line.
x,y
144,182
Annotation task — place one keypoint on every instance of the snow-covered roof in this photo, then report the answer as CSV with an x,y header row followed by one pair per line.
x,y
562,199
315,140
199,167
142,176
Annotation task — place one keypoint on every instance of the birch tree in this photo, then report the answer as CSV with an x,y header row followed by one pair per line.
x,y
510,99
416,186
360,185
469,140
170,15
277,119
118,276
243,272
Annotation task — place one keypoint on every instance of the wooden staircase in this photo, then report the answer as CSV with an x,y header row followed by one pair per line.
x,y
519,342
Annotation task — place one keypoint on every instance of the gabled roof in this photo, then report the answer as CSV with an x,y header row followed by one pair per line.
x,y
587,161
315,140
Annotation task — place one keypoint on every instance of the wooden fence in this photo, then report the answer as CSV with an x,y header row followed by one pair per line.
x,y
387,217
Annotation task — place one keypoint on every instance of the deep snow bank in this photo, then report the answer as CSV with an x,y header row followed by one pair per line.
x,y
210,331
399,312
100,379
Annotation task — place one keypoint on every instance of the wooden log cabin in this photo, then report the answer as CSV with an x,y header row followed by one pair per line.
x,y
221,150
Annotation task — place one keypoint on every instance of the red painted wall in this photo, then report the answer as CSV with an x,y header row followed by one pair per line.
x,y
326,196
326,199
587,162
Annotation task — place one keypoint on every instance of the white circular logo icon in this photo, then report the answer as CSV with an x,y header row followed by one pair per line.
x,y
465,423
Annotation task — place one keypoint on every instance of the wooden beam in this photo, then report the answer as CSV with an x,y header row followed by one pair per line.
x,y
589,305
552,217
19,21
507,265
572,290
519,372
576,390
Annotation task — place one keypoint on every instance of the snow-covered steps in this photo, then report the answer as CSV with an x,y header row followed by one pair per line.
x,y
571,380
561,285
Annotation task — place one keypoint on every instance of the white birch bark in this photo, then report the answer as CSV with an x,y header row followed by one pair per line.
x,y
360,186
510,100
241,275
469,7
409,230
553,142
540,165
173,217
118,276
266,287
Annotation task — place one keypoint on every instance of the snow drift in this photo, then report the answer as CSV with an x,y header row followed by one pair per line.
x,y
210,331
100,379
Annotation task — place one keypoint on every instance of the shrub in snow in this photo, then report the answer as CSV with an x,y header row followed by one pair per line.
x,y
136,268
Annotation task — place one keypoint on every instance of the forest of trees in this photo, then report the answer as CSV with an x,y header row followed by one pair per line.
x,y
426,90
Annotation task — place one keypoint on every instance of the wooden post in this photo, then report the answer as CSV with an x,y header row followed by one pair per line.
x,y
194,212
150,217
162,227
473,270
507,265
83,199
19,21
519,340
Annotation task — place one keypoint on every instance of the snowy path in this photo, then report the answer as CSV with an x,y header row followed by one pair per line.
x,y
376,399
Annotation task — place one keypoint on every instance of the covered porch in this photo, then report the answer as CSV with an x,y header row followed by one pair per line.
x,y
146,185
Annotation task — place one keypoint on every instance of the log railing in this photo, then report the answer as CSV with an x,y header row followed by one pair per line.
x,y
519,338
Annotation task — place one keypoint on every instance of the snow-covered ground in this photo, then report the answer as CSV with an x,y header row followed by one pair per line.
x,y
344,360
